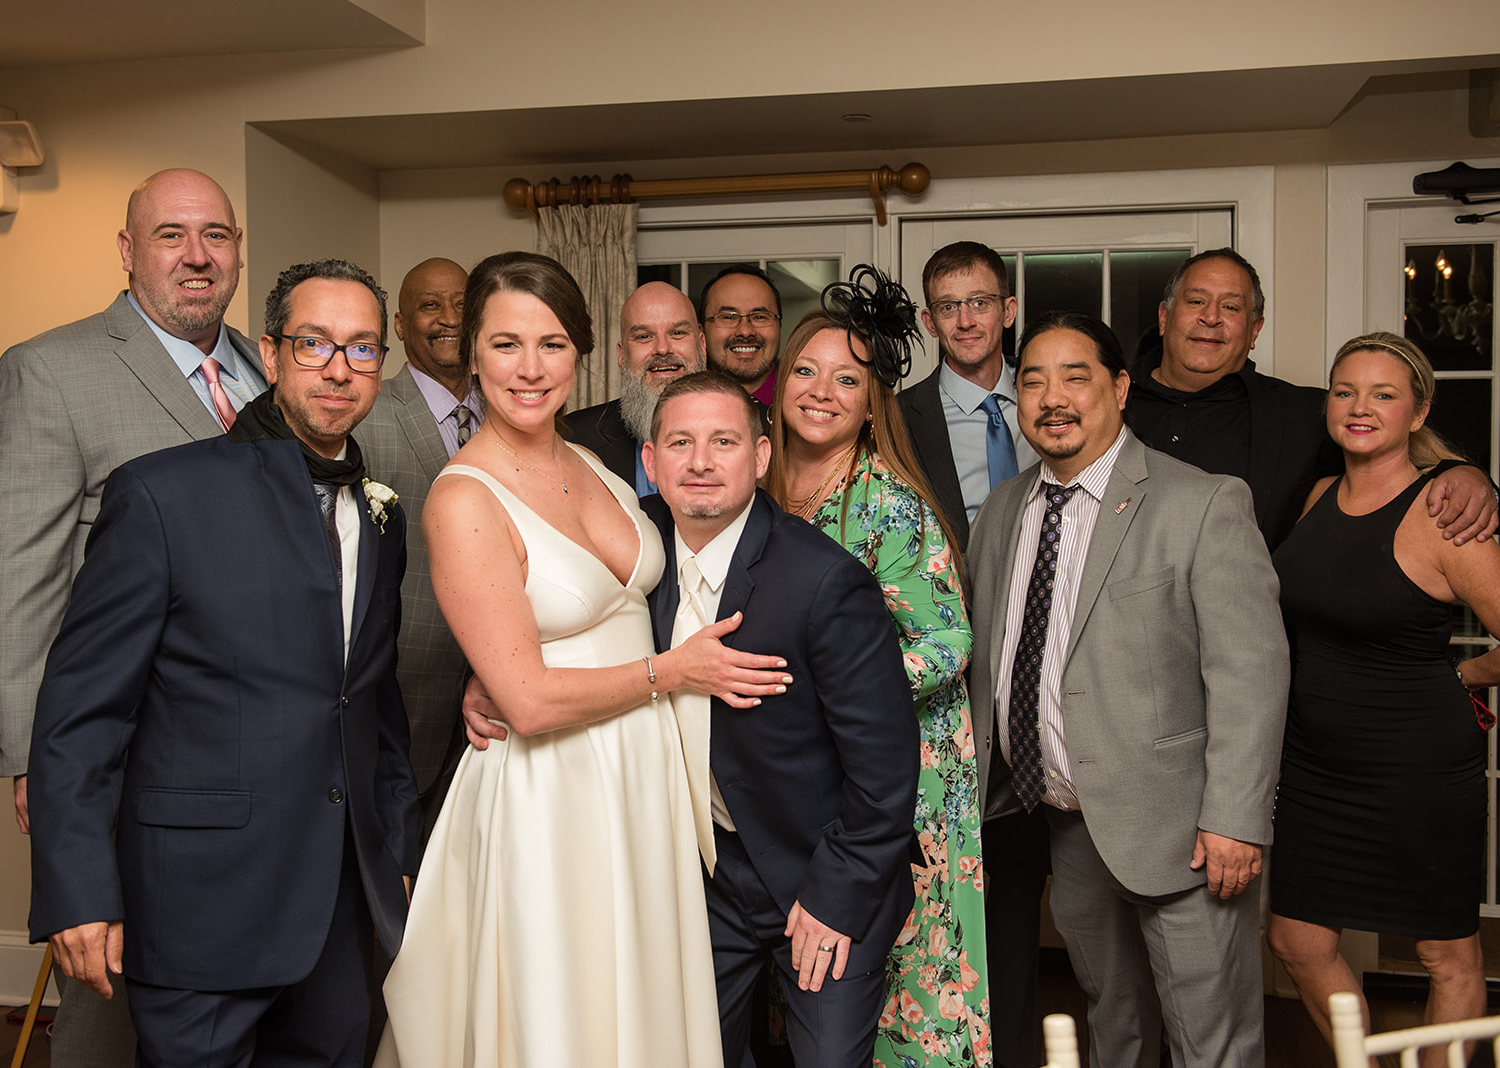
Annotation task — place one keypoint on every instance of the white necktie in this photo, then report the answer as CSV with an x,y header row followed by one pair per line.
x,y
694,714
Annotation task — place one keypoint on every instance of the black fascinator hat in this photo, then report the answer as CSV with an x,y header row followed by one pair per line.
x,y
876,307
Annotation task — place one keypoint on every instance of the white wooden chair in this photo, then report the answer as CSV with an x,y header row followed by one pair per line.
x,y
1352,1048
1060,1041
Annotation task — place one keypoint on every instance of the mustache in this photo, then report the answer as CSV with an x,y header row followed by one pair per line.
x,y
661,363
1050,414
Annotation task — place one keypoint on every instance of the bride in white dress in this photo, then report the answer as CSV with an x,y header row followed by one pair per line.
x,y
558,920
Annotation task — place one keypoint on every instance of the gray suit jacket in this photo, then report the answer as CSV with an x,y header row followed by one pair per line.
x,y
403,449
1174,687
75,403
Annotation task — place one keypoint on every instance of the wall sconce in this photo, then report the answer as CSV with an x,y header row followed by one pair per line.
x,y
19,147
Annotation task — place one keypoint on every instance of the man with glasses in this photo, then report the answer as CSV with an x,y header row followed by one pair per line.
x,y
962,422
660,341
741,315
158,367
223,689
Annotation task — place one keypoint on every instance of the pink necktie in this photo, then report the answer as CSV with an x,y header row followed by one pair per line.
x,y
222,408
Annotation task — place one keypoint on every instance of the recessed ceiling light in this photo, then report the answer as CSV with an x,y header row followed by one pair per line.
x,y
856,117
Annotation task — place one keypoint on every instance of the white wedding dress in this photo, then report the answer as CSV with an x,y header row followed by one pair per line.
x,y
558,920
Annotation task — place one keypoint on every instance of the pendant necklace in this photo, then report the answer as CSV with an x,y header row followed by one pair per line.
x,y
555,478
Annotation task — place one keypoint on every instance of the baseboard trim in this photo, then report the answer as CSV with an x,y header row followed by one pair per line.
x,y
19,961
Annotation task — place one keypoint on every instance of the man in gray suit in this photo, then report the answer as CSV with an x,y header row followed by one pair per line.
x,y
424,414
157,368
1131,669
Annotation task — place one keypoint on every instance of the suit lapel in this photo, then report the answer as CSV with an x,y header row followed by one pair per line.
x,y
929,433
139,350
664,599
1126,481
1267,431
1015,508
739,583
415,417
369,562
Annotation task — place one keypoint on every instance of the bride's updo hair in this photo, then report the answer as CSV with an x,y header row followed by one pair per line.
x,y
524,272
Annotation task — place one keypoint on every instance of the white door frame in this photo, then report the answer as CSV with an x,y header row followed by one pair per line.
x,y
1352,188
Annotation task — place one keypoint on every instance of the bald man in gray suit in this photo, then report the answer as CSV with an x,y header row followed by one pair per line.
x,y
1131,668
157,368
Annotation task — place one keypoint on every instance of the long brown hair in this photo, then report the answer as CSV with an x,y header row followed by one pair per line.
x,y
883,435
1426,446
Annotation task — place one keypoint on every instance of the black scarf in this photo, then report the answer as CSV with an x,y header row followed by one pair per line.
x,y
261,419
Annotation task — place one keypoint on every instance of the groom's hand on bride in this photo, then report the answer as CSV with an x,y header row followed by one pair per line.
x,y
481,717
86,951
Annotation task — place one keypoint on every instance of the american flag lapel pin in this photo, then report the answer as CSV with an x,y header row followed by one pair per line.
x,y
1122,506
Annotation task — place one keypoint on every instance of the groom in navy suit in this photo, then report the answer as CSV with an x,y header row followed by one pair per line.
x,y
223,691
813,790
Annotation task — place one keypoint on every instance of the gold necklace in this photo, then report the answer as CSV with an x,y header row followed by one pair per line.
x,y
804,507
555,478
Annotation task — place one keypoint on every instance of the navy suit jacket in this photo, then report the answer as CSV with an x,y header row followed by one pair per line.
x,y
198,694
821,781
927,428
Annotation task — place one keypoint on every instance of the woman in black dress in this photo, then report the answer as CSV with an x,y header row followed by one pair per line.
x,y
1380,815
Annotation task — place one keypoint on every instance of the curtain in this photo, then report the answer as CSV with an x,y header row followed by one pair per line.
x,y
597,246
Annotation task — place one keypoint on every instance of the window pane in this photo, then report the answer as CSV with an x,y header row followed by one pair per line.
x,y
1063,281
1136,282
670,273
800,283
699,275
1450,294
1461,413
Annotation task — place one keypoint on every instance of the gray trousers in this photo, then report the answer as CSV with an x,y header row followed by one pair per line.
x,y
1189,961
88,1031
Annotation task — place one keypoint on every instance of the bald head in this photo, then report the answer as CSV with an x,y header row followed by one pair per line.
x,y
659,341
181,248
430,312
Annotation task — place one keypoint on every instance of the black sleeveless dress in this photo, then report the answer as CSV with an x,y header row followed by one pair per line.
x,y
1380,814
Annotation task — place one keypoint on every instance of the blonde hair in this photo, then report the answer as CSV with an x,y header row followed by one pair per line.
x,y
1426,446
883,435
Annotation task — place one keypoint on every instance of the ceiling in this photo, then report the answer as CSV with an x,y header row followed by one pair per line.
x,y
1307,98
88,31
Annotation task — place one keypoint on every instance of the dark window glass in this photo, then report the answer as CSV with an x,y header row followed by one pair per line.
x,y
1450,304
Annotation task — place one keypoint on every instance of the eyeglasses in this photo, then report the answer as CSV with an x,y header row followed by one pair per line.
x,y
979,304
309,350
731,319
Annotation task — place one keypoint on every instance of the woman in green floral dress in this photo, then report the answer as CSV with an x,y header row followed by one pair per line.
x,y
841,459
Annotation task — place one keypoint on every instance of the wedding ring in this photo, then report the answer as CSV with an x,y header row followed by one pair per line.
x,y
825,949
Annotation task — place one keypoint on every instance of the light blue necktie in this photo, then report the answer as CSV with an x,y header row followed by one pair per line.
x,y
999,450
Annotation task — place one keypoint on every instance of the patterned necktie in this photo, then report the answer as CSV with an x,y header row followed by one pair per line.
x,y
999,450
694,712
1026,675
222,408
465,419
328,500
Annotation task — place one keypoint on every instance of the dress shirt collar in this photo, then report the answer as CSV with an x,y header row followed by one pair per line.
x,y
969,396
715,557
185,354
440,401
1093,479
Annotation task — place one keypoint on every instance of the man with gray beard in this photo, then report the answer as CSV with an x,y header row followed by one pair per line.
x,y
660,341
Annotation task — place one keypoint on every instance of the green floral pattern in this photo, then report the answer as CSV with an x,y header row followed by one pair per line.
x,y
937,985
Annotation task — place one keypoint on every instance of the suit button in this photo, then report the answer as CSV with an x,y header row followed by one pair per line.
x,y
335,794
344,700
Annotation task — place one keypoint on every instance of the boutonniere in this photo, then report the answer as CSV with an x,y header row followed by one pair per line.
x,y
380,497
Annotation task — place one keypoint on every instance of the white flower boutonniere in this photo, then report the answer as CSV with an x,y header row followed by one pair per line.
x,y
380,497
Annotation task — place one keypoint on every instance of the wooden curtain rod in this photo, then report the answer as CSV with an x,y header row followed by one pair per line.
x,y
622,189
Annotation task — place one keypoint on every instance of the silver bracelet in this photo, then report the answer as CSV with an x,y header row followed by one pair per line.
x,y
651,674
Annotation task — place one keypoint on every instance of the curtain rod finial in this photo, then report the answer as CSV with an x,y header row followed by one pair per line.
x,y
518,193
914,178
